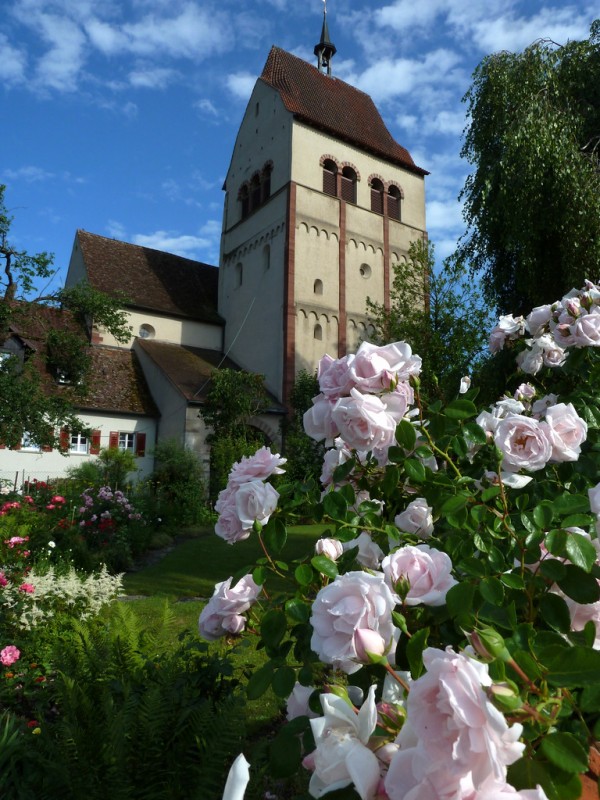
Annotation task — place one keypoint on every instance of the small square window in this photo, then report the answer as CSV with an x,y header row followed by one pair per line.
x,y
126,441
27,443
79,443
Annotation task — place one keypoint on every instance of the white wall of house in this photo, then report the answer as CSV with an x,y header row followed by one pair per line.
x,y
149,325
30,463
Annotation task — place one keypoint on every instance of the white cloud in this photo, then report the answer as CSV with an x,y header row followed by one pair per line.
x,y
104,37
171,242
240,84
29,174
59,67
206,106
151,77
13,61
116,230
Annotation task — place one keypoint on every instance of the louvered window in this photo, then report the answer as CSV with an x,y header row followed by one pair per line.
x,y
377,196
349,185
255,193
393,203
329,182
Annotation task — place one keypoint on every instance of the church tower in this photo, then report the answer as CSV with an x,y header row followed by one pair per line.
x,y
320,202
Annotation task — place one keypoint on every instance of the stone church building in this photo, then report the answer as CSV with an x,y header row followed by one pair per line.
x,y
320,203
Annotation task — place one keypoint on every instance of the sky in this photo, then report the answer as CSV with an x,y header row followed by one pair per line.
x,y
119,116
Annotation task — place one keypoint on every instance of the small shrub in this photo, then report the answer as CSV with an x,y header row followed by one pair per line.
x,y
177,490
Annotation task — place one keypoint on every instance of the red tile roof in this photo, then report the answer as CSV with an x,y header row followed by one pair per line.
x,y
151,279
330,104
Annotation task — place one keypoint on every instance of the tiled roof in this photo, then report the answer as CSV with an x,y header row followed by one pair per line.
x,y
115,382
151,279
190,368
330,104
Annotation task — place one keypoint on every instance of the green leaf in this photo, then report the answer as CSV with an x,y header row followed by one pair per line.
x,y
512,580
334,505
581,551
555,612
259,681
391,479
571,504
415,471
406,435
325,566
460,409
489,493
275,535
565,751
283,681
453,504
474,433
542,515
273,627
459,599
414,651
304,574
297,609
259,575
527,774
491,589
571,667
556,542
285,755
342,471
579,585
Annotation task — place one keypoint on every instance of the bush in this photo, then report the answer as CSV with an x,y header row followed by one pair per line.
x,y
112,468
178,492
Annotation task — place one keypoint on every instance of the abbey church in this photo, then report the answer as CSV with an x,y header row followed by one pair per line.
x,y
320,203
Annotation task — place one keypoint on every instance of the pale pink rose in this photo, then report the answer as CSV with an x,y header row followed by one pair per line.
x,y
354,600
363,421
417,518
368,642
539,317
406,390
255,501
454,740
497,339
465,384
9,655
332,548
374,368
260,466
586,329
428,573
317,420
531,360
538,409
334,457
494,790
369,553
395,404
335,378
552,355
566,431
223,612
525,392
594,496
229,526
297,702
342,756
226,498
523,444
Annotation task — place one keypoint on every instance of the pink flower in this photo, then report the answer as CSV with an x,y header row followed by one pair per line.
x,y
28,588
223,612
9,655
594,496
523,443
369,553
15,540
566,431
426,571
364,422
255,501
318,422
58,499
261,466
368,642
375,368
416,518
539,317
586,329
354,600
297,702
332,548
3,581
335,379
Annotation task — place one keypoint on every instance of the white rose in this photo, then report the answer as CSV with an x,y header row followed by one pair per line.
x,y
427,571
586,329
369,553
255,501
566,431
223,612
332,548
523,443
363,421
416,518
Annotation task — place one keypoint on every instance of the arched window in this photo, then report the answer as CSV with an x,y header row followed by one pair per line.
x,y
318,286
377,196
349,185
318,332
266,182
255,192
245,201
393,202
266,257
239,274
330,177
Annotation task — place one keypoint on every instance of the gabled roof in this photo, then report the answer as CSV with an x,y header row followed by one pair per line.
x,y
190,368
151,279
115,383
334,106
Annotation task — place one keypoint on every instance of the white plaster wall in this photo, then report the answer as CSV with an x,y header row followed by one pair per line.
x,y
169,329
28,465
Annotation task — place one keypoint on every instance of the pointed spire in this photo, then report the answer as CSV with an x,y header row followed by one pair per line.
x,y
325,50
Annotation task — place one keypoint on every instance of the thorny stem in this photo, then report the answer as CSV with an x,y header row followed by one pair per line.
x,y
269,559
397,678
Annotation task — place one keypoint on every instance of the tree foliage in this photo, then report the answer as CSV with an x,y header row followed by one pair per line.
x,y
532,204
441,314
304,455
28,403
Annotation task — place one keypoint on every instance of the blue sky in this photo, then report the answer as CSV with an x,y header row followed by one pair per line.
x,y
119,116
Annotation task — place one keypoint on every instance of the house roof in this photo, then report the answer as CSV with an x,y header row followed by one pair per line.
x,y
115,383
151,279
334,106
190,368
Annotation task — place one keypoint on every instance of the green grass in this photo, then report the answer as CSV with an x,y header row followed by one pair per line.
x,y
193,567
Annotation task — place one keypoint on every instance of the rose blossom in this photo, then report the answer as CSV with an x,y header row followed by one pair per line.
x,y
566,431
586,329
454,739
374,368
317,420
416,518
335,379
238,778
261,466
28,588
342,756
332,548
333,458
9,655
594,496
523,443
229,526
369,553
255,501
297,702
363,421
539,317
222,613
426,570
354,600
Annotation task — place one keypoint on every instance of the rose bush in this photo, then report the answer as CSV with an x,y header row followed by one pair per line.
x,y
478,652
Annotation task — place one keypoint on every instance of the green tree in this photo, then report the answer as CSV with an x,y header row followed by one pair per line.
x,y
532,204
441,314
27,401
234,397
304,455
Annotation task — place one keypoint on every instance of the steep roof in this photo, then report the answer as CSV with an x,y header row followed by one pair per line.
x,y
190,368
151,279
334,106
115,383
